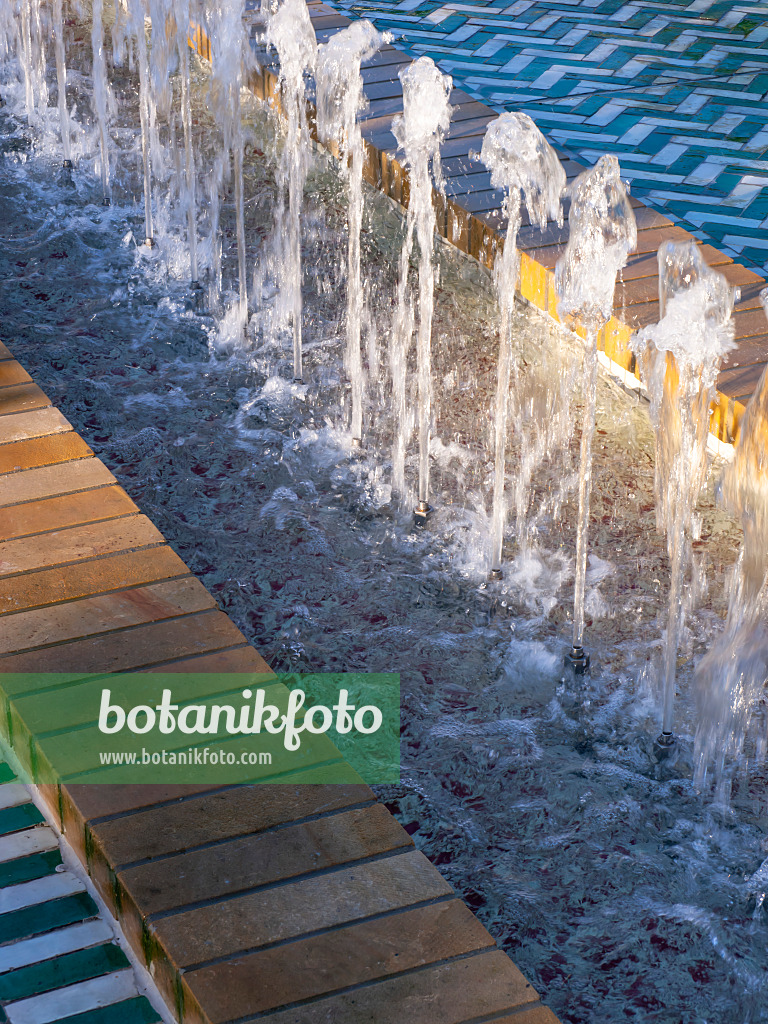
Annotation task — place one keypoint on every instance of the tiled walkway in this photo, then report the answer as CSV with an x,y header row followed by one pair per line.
x,y
678,90
58,957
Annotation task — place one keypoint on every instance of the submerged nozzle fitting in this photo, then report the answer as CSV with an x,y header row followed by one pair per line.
x,y
197,294
106,201
422,512
356,443
67,165
664,746
495,576
578,659
150,243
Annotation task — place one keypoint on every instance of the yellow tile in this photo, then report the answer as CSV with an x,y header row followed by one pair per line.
x,y
552,297
738,413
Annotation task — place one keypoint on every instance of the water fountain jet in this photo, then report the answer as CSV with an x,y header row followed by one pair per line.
x,y
101,94
419,131
730,678
521,162
340,98
61,77
290,32
32,54
183,17
135,28
603,232
679,359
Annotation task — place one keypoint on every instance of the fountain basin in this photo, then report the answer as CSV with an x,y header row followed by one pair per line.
x,y
462,1009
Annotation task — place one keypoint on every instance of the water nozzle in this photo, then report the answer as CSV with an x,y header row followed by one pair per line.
x,y
578,660
197,293
495,576
664,746
422,512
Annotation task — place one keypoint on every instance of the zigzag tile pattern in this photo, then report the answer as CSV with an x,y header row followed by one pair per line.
x,y
678,90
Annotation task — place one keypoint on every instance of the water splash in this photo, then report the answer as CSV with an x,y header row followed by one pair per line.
x,y
730,678
340,98
290,32
603,233
419,133
522,162
680,357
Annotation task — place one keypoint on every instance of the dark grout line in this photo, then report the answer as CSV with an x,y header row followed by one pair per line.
x,y
504,1015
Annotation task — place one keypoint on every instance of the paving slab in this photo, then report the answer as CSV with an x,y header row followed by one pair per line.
x,y
90,616
76,543
312,904
37,423
337,959
469,989
54,513
22,398
42,451
206,817
87,577
12,372
49,481
243,864
140,647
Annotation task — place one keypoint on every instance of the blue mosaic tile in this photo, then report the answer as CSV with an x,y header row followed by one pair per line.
x,y
626,64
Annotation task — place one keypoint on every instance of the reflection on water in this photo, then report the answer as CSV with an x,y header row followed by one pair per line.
x,y
619,891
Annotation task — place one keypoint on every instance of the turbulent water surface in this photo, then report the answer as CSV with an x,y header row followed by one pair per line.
x,y
619,891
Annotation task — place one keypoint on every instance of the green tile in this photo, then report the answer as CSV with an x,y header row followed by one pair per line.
x,y
27,869
44,918
6,775
14,819
61,971
132,1011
